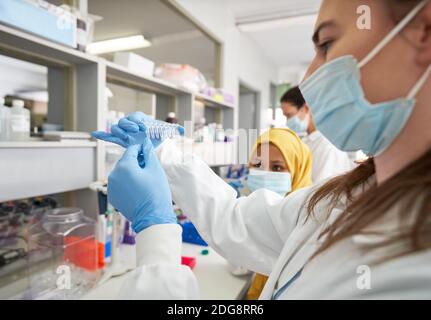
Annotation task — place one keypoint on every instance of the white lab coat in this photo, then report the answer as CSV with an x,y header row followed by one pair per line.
x,y
270,235
328,161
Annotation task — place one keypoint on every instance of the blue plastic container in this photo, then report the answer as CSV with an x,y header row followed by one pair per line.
x,y
191,235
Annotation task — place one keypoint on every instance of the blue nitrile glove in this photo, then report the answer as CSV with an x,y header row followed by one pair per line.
x,y
129,131
141,192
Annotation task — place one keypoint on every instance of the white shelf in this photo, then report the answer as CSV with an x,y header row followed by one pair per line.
x,y
29,169
121,74
47,144
33,168
31,45
211,102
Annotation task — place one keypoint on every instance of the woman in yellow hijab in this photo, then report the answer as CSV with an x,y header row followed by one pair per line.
x,y
280,162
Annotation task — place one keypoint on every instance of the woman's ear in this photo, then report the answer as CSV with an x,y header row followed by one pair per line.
x,y
424,36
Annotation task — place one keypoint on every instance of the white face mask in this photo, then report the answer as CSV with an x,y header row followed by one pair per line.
x,y
341,111
279,182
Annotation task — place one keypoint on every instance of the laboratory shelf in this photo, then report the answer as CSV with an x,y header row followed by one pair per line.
x,y
29,169
47,144
211,102
33,168
37,48
122,75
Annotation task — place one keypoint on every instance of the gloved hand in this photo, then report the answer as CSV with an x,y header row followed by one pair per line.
x,y
141,193
129,131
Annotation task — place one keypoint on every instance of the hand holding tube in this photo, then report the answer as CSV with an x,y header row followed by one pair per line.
x,y
139,189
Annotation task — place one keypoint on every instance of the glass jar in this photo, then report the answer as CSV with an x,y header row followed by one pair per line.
x,y
62,258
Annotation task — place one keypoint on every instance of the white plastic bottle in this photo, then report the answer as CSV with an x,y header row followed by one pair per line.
x,y
4,121
19,121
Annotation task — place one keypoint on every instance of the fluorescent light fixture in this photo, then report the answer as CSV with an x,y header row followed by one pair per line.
x,y
278,23
41,96
118,44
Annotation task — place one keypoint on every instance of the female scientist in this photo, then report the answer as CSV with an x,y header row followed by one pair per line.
x,y
279,162
365,234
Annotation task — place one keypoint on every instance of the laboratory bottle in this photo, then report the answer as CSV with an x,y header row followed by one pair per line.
x,y
219,133
19,121
4,121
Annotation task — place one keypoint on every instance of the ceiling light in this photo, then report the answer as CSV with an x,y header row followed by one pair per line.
x,y
118,44
298,21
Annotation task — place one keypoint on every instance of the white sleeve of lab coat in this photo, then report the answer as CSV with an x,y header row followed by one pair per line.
x,y
249,231
159,274
329,162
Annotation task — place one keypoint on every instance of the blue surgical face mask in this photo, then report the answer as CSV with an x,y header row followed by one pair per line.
x,y
279,182
341,111
298,125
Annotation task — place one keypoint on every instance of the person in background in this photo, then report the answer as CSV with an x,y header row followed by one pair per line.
x,y
280,162
328,161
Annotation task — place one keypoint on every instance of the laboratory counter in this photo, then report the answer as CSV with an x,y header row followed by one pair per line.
x,y
215,280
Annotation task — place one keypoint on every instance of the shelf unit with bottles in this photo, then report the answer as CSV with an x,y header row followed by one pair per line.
x,y
76,87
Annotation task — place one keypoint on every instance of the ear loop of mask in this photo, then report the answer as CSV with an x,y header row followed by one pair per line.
x,y
391,35
407,19
418,86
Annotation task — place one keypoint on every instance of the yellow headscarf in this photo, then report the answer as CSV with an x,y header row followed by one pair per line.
x,y
296,154
298,159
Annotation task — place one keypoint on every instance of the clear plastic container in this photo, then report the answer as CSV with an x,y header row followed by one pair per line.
x,y
4,121
182,75
19,121
63,257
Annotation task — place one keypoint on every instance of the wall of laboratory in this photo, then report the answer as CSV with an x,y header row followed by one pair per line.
x,y
292,74
242,59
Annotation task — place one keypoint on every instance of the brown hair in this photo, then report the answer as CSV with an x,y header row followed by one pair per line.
x,y
410,188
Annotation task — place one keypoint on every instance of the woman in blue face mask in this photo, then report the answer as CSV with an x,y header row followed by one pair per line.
x,y
363,235
328,161
280,162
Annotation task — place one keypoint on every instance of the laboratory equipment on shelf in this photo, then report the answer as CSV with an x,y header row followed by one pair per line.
x,y
66,136
15,219
135,62
116,267
19,121
4,121
182,75
41,18
63,255
209,133
219,94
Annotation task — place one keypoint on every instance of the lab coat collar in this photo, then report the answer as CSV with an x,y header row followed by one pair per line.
x,y
313,136
304,239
